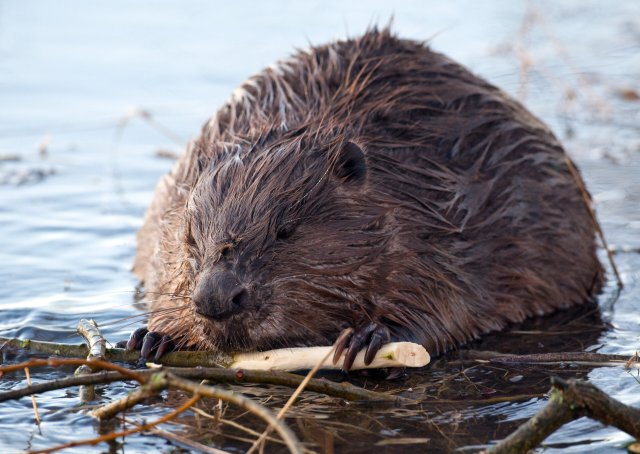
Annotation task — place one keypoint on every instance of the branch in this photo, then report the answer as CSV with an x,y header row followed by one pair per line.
x,y
343,390
175,359
395,354
99,378
570,400
97,344
580,358
47,348
88,329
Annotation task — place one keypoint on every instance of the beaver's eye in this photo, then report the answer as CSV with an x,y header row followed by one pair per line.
x,y
225,251
285,232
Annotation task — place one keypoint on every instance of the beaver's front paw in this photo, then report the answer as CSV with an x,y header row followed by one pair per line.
x,y
371,335
149,343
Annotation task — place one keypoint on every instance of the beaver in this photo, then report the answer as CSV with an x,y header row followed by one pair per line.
x,y
371,184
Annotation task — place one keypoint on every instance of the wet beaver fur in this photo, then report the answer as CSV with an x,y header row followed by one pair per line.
x,y
370,183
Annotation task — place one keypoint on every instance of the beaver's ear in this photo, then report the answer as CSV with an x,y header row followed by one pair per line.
x,y
351,164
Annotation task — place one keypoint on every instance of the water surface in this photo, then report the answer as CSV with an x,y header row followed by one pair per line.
x,y
78,165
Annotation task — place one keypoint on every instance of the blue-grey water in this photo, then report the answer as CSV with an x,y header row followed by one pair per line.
x,y
79,162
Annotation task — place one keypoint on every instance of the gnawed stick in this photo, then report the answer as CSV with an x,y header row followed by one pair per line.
x,y
395,354
569,400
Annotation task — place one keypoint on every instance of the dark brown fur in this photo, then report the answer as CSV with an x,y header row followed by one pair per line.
x,y
468,218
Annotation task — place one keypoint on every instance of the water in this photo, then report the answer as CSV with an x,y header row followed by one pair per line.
x,y
78,168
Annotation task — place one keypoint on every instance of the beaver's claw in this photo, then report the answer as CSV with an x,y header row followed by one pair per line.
x,y
148,342
371,335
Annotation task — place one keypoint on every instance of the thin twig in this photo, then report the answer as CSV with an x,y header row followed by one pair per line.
x,y
488,401
524,58
587,202
148,118
580,358
56,362
33,397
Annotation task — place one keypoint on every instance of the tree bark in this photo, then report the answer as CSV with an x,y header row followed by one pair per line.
x,y
570,400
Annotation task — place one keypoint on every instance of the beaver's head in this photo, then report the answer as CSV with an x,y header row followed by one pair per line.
x,y
284,245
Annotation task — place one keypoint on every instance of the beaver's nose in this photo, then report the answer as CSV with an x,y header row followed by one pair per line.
x,y
219,295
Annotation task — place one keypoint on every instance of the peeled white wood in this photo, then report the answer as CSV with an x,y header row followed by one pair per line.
x,y
395,354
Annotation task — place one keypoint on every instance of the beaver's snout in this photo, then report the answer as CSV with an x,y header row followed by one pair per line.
x,y
219,295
